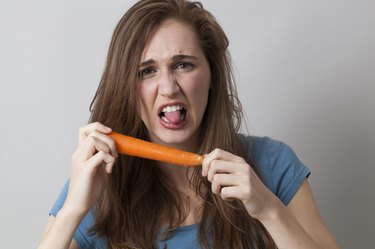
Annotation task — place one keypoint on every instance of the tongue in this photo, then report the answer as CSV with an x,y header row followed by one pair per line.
x,y
173,117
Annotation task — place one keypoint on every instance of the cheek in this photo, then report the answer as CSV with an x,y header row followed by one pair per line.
x,y
142,92
143,97
200,88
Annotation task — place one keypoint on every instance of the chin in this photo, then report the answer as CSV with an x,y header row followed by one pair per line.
x,y
176,138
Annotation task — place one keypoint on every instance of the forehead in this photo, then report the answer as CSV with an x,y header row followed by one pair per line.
x,y
171,37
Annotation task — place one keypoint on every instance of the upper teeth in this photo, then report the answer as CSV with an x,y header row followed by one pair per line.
x,y
172,108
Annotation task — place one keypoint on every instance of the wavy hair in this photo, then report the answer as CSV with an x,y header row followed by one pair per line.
x,y
137,195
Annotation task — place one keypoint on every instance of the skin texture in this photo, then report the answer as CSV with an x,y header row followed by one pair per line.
x,y
298,225
95,155
167,79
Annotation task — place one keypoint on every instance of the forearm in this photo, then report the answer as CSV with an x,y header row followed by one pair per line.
x,y
61,232
287,232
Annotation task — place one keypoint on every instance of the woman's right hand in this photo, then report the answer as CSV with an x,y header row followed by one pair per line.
x,y
95,155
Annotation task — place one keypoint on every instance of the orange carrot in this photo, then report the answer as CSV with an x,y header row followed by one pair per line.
x,y
136,147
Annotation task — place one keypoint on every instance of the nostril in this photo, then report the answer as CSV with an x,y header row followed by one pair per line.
x,y
168,88
169,93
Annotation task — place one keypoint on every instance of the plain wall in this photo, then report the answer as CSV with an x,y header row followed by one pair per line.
x,y
305,72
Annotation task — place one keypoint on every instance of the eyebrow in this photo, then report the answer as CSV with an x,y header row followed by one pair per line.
x,y
183,56
174,58
147,63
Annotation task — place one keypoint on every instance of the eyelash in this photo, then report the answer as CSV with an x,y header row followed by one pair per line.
x,y
186,65
148,71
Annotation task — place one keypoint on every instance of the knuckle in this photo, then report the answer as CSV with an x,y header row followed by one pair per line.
x,y
214,188
224,193
214,163
247,170
101,154
97,124
73,158
112,144
76,156
246,191
216,178
91,139
111,159
81,130
93,133
217,151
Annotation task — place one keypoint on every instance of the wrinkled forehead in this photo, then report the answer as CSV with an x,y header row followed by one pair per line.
x,y
169,38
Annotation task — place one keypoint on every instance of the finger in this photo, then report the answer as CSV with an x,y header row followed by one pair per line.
x,y
218,154
106,139
224,155
219,166
109,167
87,129
109,162
216,188
231,192
223,180
91,146
235,186
101,158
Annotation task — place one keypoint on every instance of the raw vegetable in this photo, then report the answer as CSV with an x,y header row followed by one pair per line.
x,y
136,147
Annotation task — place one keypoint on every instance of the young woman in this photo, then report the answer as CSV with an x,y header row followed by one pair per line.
x,y
168,80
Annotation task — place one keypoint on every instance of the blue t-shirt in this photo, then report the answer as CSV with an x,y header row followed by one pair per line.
x,y
280,169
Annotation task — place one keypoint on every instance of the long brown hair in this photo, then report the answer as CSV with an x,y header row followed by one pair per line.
x,y
138,194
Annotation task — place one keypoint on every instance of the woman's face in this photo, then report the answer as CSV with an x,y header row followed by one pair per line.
x,y
174,84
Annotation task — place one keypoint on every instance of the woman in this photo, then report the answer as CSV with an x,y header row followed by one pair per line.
x,y
168,80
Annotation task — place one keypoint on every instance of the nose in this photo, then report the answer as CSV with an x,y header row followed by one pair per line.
x,y
168,85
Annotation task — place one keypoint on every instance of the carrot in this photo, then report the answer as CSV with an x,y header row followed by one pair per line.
x,y
136,147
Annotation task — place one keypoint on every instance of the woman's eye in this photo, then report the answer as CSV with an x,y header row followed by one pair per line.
x,y
146,72
184,66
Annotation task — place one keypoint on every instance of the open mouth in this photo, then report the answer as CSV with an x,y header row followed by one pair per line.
x,y
174,114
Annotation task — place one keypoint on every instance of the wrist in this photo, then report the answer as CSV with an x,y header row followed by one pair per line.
x,y
72,213
273,212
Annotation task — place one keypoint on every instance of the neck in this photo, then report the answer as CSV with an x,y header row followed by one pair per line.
x,y
178,174
185,191
191,144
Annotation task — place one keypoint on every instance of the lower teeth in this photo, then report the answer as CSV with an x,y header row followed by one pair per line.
x,y
165,119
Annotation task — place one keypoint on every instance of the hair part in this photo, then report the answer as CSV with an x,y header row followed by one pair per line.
x,y
138,195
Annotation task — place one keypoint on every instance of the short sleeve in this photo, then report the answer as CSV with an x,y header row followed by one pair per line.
x,y
60,200
81,236
279,167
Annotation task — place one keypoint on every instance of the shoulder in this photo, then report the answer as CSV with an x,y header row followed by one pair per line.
x,y
266,151
277,164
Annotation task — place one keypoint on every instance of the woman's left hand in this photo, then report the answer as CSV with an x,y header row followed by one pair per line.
x,y
232,177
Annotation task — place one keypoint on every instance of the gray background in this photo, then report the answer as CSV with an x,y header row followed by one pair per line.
x,y
305,73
